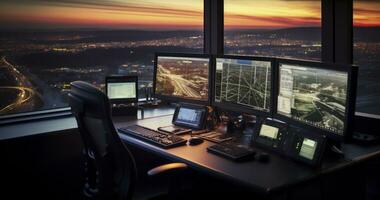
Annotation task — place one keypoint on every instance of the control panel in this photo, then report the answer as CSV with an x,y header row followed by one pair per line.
x,y
290,141
271,134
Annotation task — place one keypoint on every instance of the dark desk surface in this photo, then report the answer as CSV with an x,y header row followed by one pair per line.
x,y
278,174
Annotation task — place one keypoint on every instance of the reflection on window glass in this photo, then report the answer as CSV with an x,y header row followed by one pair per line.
x,y
279,28
367,54
45,45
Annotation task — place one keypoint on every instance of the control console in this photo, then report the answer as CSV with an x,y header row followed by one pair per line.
x,y
290,141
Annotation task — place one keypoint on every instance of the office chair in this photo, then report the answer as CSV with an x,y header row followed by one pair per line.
x,y
110,168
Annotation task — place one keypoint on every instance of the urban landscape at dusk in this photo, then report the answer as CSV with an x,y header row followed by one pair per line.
x,y
45,45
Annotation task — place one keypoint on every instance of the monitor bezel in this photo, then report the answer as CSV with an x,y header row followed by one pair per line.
x,y
173,99
229,106
351,71
122,79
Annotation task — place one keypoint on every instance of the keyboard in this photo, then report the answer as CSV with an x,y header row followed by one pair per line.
x,y
154,137
232,151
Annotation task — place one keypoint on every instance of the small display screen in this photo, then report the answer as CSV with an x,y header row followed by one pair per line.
x,y
189,116
308,148
126,90
269,131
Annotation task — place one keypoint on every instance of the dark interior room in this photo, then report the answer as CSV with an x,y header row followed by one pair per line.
x,y
190,99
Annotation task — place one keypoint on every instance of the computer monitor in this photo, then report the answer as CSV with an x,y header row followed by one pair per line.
x,y
317,95
244,84
122,89
182,77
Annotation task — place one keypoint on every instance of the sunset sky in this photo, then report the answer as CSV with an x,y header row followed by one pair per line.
x,y
367,13
170,14
270,14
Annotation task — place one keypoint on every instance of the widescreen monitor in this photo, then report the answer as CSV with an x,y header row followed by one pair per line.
x,y
244,84
182,77
317,95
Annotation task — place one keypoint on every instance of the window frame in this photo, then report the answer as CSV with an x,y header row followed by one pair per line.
x,y
337,34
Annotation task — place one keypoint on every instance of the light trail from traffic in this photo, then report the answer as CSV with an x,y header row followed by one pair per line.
x,y
25,95
24,87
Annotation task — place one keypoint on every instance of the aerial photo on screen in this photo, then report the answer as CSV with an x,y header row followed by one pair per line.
x,y
243,82
313,96
183,77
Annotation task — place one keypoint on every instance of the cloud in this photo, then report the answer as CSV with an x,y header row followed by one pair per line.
x,y
279,21
364,11
131,6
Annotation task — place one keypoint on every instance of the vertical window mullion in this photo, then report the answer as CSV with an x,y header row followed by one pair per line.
x,y
343,31
214,26
328,47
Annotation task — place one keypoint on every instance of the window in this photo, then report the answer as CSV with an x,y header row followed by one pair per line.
x,y
278,28
367,54
45,45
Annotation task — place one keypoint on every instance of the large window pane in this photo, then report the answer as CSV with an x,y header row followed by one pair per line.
x,y
367,54
278,28
45,45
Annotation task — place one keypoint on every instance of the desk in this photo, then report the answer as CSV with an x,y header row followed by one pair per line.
x,y
277,175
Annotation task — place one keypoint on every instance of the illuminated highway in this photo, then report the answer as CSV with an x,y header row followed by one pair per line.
x,y
21,84
25,95
182,86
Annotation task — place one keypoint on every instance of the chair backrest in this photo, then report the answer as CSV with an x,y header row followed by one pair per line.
x,y
110,167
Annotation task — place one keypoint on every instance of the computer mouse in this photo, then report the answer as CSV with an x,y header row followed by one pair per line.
x,y
195,141
263,157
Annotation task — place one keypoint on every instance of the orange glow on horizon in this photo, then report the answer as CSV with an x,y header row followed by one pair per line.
x,y
271,14
146,14
366,14
170,14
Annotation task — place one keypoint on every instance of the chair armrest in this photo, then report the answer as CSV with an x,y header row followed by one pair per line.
x,y
172,167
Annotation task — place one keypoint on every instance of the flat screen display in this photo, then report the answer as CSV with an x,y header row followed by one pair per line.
x,y
189,116
183,77
314,96
308,148
121,90
244,82
269,131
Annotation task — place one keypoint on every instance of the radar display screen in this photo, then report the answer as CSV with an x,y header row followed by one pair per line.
x,y
243,82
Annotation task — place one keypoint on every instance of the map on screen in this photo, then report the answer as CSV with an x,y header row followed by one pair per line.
x,y
243,82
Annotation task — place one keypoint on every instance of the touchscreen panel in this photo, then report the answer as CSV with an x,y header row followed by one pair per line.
x,y
269,131
188,116
308,148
